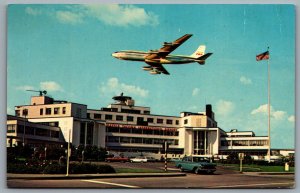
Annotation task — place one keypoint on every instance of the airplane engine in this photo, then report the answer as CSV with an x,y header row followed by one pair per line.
x,y
154,71
147,68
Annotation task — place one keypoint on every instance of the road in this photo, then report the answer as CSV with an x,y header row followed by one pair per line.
x,y
223,178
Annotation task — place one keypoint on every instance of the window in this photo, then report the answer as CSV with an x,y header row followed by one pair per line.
x,y
136,140
139,131
119,118
147,141
147,112
64,110
160,121
82,133
124,139
54,134
148,131
17,113
108,117
150,120
42,132
169,121
48,111
185,121
114,109
112,129
129,118
56,111
177,122
41,111
112,139
11,128
97,116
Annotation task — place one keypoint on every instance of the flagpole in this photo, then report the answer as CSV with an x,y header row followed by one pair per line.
x,y
269,112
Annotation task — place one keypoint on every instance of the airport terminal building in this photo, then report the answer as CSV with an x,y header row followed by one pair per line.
x,y
124,127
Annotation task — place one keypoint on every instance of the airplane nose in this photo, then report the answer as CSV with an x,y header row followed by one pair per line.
x,y
115,55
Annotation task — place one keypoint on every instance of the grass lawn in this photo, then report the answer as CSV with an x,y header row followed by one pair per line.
x,y
138,170
257,168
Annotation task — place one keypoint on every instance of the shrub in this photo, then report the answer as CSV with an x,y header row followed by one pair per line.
x,y
55,169
23,168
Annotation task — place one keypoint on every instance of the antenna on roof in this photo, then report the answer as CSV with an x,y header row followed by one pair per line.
x,y
42,92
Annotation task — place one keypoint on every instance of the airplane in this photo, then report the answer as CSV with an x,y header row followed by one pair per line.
x,y
156,58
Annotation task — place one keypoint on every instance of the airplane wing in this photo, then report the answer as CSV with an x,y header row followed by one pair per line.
x,y
159,67
167,48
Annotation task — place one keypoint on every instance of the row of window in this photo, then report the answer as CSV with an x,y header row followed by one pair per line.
x,y
114,139
56,111
35,131
142,131
131,119
245,143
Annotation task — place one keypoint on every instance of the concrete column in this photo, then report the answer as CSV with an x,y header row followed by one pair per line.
x,y
205,141
197,144
85,134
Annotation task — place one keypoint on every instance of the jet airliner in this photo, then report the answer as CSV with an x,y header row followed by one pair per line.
x,y
156,58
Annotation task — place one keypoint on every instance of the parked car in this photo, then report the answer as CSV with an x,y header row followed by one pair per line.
x,y
139,159
117,159
196,164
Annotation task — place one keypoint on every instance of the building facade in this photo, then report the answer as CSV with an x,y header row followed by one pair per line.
x,y
124,127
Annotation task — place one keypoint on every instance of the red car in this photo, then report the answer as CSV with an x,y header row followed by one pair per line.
x,y
117,159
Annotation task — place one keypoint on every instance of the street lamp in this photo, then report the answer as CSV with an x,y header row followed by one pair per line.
x,y
82,156
25,113
45,153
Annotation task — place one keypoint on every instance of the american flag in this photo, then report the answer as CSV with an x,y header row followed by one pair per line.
x,y
263,56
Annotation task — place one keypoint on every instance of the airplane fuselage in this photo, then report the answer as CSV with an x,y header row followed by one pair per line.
x,y
141,57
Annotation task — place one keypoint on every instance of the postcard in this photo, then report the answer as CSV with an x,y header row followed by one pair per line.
x,y
164,96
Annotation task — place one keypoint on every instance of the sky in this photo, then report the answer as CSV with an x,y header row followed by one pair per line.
x,y
66,50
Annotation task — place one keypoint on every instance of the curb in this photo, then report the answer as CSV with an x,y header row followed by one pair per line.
x,y
270,173
90,176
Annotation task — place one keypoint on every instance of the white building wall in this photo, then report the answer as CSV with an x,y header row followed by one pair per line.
x,y
65,123
100,135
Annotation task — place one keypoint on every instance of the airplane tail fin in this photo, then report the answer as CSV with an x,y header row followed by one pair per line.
x,y
199,52
201,59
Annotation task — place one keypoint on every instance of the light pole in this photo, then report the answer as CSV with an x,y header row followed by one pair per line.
x,y
45,153
82,156
25,112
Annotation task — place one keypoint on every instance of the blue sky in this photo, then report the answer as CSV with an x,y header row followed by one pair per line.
x,y
66,49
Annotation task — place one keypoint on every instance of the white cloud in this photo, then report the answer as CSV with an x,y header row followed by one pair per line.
x,y
69,17
25,87
31,11
224,108
291,118
50,86
245,80
121,15
195,91
113,86
109,14
263,109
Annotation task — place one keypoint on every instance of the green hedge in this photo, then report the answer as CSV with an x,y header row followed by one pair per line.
x,y
55,168
24,169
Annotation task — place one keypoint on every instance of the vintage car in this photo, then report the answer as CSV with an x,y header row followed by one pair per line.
x,y
195,164
140,159
117,159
